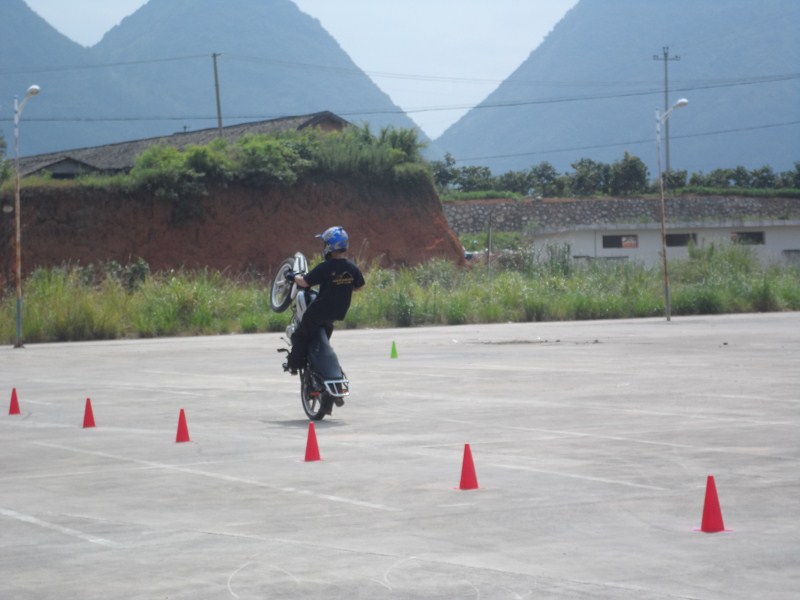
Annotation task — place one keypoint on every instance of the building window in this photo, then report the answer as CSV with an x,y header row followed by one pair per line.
x,y
681,240
792,257
748,238
620,241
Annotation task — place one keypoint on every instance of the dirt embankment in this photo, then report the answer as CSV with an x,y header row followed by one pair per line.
x,y
241,230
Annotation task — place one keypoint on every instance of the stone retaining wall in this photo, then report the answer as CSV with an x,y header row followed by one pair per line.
x,y
472,216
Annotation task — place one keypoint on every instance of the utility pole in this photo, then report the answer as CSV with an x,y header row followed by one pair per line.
x,y
666,58
216,86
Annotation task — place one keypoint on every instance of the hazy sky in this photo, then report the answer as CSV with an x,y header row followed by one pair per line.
x,y
456,51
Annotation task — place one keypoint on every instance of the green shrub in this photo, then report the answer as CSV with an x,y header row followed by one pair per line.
x,y
392,157
764,297
259,160
501,240
163,170
697,299
213,162
746,192
480,195
787,289
181,177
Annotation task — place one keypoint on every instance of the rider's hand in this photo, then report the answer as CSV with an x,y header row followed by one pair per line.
x,y
290,275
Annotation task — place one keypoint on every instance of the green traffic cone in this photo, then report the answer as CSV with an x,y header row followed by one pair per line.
x,y
394,351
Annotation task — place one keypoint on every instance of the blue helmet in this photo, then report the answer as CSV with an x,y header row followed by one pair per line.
x,y
335,238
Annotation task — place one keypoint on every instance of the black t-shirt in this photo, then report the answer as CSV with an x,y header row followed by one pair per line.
x,y
336,278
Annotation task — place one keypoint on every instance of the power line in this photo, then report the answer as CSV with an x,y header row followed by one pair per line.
x,y
555,100
726,83
485,105
629,143
62,68
379,74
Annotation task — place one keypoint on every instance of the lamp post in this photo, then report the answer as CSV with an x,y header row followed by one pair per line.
x,y
660,120
18,108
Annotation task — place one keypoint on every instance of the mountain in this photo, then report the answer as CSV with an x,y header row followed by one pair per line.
x,y
32,52
153,74
591,89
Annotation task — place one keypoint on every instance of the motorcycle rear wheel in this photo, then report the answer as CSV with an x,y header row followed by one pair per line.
x,y
316,403
281,294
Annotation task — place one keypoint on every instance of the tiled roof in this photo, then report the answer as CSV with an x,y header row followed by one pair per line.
x,y
122,156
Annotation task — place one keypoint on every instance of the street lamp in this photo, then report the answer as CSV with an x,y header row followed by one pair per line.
x,y
660,120
18,108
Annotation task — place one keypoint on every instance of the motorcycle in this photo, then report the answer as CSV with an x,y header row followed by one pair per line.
x,y
323,383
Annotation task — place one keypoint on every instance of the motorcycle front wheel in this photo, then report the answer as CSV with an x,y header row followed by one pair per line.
x,y
316,403
281,294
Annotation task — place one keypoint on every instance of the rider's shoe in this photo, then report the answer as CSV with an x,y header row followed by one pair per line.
x,y
338,401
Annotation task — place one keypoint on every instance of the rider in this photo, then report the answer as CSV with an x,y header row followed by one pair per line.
x,y
337,278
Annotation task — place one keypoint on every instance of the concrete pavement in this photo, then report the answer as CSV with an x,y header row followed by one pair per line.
x,y
592,442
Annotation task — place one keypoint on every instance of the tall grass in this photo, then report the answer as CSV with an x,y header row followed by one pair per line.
x,y
79,303
68,304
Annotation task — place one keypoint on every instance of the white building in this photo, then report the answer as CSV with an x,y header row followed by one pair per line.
x,y
772,241
630,228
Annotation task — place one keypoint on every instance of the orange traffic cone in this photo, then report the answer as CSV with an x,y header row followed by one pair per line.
x,y
712,514
14,408
469,481
88,415
312,449
183,430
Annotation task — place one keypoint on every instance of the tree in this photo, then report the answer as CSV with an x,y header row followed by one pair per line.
x,y
445,172
675,179
546,181
718,178
628,176
474,179
763,178
590,178
790,179
5,168
520,182
741,177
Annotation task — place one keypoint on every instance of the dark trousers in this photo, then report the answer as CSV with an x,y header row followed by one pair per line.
x,y
302,336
